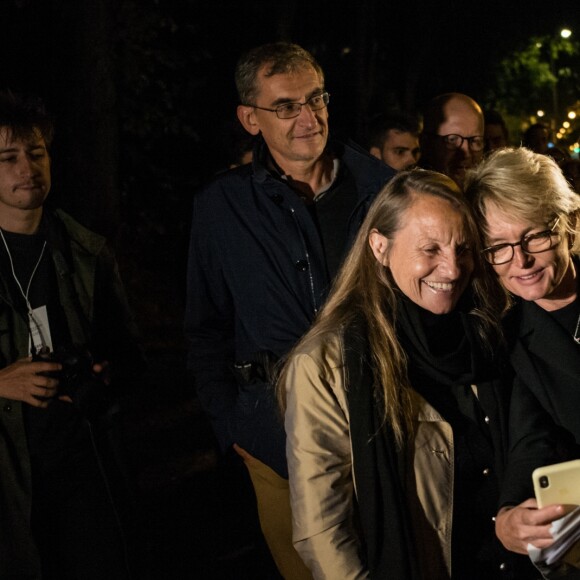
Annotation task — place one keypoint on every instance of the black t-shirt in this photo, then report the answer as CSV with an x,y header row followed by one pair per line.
x,y
331,211
37,279
53,432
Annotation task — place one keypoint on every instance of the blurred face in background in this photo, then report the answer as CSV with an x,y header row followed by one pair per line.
x,y
400,150
537,140
454,156
495,137
460,119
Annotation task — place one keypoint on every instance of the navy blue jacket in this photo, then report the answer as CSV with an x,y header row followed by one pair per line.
x,y
256,278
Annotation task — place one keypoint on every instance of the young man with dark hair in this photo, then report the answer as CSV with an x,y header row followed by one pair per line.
x,y
394,139
63,319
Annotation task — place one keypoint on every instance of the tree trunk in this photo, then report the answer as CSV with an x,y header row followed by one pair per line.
x,y
87,125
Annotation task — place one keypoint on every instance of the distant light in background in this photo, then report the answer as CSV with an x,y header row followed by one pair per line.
x,y
566,124
540,113
565,33
571,115
346,50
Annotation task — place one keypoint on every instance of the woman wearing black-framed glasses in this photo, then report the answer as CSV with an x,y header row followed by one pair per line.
x,y
528,215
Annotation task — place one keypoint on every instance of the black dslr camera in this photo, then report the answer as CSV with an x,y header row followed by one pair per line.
x,y
89,394
77,368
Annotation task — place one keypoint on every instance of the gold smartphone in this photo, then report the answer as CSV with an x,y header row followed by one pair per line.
x,y
558,483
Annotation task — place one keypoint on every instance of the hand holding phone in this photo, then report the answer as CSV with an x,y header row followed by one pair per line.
x,y
558,483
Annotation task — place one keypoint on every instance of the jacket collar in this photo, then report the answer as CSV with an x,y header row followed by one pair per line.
x,y
357,161
534,322
546,339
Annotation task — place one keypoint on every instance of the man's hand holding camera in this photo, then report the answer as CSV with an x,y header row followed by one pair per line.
x,y
30,381
100,373
72,379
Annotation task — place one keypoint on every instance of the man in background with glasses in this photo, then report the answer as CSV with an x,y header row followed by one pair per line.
x,y
452,140
267,240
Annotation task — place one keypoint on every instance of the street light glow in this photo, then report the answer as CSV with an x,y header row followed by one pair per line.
x,y
566,124
565,33
571,115
540,113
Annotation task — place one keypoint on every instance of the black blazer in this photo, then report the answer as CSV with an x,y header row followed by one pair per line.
x,y
546,360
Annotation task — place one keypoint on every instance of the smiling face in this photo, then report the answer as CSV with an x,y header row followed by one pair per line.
x,y
24,175
429,257
290,141
546,278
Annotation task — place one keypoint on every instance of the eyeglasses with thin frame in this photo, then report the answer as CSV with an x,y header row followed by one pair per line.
x,y
530,244
454,141
290,110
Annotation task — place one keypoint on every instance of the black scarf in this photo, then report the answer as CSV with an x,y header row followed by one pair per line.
x,y
379,472
444,351
442,348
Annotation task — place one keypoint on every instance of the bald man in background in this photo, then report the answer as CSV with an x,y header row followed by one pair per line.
x,y
452,140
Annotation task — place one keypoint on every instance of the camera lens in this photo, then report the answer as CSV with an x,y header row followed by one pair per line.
x,y
544,481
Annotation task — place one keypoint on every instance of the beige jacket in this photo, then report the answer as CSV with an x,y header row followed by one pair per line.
x,y
322,487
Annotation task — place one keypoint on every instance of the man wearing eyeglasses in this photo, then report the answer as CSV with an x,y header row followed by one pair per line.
x,y
452,140
267,239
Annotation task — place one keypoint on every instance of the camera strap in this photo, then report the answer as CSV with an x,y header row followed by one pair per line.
x,y
37,317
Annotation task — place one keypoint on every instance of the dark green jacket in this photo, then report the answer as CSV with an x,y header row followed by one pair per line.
x,y
97,314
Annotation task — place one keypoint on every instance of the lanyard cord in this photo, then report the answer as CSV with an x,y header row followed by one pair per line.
x,y
24,294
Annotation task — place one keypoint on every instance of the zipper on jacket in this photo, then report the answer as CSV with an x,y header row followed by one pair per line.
x,y
310,278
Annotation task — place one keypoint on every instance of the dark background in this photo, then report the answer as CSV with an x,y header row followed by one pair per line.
x,y
143,96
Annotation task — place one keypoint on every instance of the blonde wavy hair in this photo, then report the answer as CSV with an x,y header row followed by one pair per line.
x,y
526,187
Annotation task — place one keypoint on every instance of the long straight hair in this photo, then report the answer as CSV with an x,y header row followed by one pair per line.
x,y
364,289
